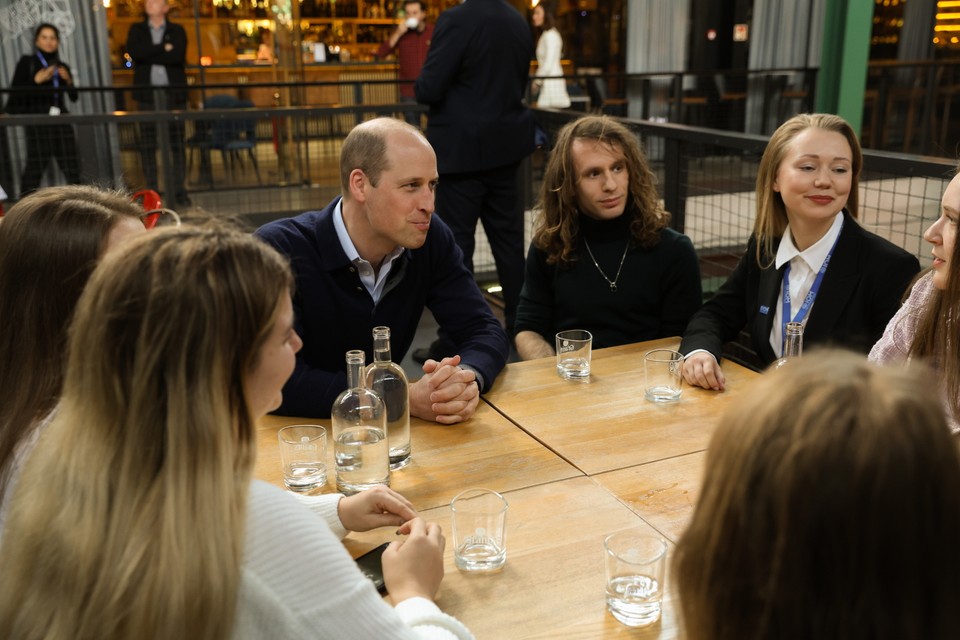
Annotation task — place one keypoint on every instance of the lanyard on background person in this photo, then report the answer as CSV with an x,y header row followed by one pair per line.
x,y
56,76
810,297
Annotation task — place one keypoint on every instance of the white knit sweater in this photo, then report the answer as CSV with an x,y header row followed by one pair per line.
x,y
300,582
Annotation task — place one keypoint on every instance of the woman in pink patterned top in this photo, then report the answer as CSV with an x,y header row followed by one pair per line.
x,y
926,326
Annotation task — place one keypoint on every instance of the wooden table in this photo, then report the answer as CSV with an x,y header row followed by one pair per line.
x,y
576,461
486,451
605,423
552,585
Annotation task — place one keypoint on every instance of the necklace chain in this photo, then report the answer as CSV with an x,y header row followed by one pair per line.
x,y
612,283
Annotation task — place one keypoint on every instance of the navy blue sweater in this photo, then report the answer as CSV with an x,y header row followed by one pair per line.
x,y
335,313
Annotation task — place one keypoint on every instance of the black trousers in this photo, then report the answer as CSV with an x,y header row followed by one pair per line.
x,y
149,135
49,141
493,198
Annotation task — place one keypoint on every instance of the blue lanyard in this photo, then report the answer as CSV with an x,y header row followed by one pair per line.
x,y
56,73
808,300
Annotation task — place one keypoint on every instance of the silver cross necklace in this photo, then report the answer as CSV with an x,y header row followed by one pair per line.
x,y
612,283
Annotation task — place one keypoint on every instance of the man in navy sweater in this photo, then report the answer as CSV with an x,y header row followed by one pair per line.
x,y
378,256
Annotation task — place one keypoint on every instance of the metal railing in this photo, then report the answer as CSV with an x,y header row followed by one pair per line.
x,y
289,156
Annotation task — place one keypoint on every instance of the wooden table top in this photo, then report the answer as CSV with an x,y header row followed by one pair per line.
x,y
576,461
485,451
663,492
552,585
604,423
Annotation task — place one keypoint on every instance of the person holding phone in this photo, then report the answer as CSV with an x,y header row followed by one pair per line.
x,y
411,41
41,82
141,484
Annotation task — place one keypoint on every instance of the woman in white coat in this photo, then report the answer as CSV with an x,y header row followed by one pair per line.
x,y
553,91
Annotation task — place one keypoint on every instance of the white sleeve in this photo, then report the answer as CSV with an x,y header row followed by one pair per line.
x,y
325,506
298,581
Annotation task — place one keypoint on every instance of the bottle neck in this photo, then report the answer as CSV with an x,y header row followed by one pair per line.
x,y
355,377
793,345
381,351
381,345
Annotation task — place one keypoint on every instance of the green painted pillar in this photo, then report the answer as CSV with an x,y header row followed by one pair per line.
x,y
842,78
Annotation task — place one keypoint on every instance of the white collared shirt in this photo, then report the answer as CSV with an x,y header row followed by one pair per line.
x,y
804,267
372,281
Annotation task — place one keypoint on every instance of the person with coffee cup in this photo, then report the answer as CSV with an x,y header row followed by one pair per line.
x,y
410,40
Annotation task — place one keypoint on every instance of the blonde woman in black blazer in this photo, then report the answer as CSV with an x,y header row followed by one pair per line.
x,y
807,204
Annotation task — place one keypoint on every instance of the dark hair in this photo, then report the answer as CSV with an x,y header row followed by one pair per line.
x,y
557,227
46,25
829,508
50,242
419,2
548,21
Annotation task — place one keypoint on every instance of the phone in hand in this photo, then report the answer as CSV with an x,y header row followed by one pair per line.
x,y
371,566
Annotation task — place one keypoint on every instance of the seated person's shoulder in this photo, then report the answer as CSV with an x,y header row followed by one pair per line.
x,y
284,230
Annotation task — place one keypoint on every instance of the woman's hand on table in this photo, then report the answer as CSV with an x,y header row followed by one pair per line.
x,y
413,567
374,508
446,393
701,369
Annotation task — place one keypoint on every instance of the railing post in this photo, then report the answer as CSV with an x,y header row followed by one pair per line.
x,y
674,187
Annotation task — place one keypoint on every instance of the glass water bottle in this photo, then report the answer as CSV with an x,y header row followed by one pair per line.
x,y
359,433
387,379
792,343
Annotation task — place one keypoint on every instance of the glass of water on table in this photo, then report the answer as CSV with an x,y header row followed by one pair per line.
x,y
573,354
479,530
634,562
303,454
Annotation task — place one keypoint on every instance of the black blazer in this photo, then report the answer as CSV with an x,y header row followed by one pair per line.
x,y
474,80
145,54
860,292
37,98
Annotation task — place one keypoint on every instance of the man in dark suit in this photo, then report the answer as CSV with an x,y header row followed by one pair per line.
x,y
159,51
474,81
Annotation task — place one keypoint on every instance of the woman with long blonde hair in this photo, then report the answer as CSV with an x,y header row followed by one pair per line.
x,y
808,259
829,509
50,242
136,517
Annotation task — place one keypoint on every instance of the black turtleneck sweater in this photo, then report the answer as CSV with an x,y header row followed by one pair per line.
x,y
657,292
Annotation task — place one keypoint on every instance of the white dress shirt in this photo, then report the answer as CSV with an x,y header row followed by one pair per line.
x,y
804,266
372,281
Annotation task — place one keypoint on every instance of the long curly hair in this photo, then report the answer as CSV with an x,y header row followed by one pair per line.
x,y
556,231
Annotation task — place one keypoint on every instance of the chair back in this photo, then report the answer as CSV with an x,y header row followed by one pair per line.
x,y
227,133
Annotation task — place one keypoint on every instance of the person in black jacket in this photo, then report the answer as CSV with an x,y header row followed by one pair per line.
x,y
808,186
158,48
473,80
40,82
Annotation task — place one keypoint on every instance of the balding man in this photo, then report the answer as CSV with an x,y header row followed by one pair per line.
x,y
378,256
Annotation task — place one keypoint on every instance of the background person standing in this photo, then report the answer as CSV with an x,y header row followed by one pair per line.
x,y
159,51
552,92
43,80
410,40
474,81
